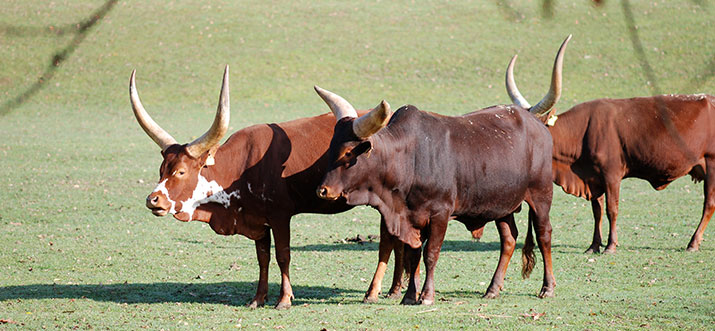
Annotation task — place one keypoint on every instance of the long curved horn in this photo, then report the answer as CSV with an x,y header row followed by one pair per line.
x,y
340,107
366,125
511,88
555,90
155,132
219,127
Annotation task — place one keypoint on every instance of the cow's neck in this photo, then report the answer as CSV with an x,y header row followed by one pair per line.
x,y
568,135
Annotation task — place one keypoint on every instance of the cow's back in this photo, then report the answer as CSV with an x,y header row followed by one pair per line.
x,y
483,161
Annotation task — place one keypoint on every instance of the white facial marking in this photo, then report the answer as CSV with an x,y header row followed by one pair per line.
x,y
162,188
201,195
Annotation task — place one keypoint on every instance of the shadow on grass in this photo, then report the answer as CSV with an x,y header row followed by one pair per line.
x,y
447,245
581,249
230,293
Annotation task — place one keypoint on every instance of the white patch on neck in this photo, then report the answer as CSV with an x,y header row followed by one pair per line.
x,y
162,188
201,195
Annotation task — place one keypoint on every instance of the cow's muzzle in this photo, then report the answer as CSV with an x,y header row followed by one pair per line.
x,y
324,193
158,204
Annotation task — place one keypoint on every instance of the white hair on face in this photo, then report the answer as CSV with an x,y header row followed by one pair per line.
x,y
162,188
206,192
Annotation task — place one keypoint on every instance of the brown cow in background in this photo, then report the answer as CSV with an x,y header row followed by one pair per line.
x,y
658,139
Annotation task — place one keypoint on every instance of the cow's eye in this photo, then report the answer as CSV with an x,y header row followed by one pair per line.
x,y
348,154
180,172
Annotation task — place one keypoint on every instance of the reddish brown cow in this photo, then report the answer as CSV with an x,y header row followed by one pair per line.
x,y
252,185
419,169
659,139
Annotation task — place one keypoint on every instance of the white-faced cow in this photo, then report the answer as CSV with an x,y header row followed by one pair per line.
x,y
658,139
419,169
252,185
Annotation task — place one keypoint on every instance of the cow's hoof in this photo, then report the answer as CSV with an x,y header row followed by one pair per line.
x,y
255,304
369,299
283,305
693,247
610,250
426,302
491,295
546,293
593,250
393,295
409,301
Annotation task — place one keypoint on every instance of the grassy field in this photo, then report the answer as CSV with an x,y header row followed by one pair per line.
x,y
79,249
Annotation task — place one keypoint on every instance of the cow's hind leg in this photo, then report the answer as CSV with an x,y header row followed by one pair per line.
x,y
282,238
263,252
613,188
597,207
539,218
387,244
507,238
708,205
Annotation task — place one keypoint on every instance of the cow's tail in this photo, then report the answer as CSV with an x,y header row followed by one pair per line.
x,y
528,258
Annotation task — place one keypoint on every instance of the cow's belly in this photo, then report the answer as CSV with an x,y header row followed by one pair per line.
x,y
492,204
660,177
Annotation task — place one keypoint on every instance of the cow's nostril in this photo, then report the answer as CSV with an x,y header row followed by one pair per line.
x,y
152,200
322,192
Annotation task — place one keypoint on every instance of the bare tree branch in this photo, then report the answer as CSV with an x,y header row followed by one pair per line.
x,y
79,29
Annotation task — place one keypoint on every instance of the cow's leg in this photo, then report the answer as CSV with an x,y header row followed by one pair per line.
x,y
282,238
385,249
478,233
438,228
708,205
507,238
613,188
263,252
396,288
539,215
597,207
412,258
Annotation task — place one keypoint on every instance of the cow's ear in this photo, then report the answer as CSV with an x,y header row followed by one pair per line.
x,y
363,147
210,157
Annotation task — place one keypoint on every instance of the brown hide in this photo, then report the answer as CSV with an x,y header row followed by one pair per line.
x,y
260,177
658,139
275,168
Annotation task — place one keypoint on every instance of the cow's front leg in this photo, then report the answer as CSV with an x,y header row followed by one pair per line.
x,y
263,252
507,237
282,238
385,249
597,208
397,275
412,258
438,227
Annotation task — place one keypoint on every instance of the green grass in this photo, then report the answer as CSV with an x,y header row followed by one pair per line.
x,y
81,250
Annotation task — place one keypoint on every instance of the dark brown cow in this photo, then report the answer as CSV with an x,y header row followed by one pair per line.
x,y
421,168
252,185
659,139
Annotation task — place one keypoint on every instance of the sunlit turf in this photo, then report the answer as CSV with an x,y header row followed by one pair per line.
x,y
81,250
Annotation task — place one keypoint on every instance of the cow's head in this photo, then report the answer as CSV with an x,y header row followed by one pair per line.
x,y
350,142
181,186
544,109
